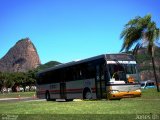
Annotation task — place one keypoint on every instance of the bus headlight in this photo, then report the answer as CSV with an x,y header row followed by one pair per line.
x,y
114,91
138,90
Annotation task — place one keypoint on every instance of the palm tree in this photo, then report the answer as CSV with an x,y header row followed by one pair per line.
x,y
141,31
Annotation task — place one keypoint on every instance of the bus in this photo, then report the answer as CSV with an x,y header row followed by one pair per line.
x,y
107,76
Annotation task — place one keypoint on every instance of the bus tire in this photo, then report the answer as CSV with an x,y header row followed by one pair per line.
x,y
87,94
68,100
48,96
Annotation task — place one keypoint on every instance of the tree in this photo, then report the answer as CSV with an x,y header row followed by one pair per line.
x,y
1,81
141,31
9,81
22,80
31,78
5,81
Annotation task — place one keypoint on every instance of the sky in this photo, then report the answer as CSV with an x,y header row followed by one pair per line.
x,y
68,30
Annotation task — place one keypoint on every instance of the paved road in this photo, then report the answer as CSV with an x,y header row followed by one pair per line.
x,y
18,99
29,99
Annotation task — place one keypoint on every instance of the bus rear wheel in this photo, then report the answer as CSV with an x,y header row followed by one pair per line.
x,y
47,96
88,95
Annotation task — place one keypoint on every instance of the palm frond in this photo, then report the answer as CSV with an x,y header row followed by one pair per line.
x,y
143,22
135,50
130,36
157,34
139,29
123,47
133,22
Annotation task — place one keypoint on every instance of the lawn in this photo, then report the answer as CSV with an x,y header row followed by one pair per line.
x,y
143,107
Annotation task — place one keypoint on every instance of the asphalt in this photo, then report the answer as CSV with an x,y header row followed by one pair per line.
x,y
19,99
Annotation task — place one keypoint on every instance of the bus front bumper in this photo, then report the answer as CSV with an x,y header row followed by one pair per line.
x,y
119,95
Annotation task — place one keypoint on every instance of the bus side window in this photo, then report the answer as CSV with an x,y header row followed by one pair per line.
x,y
91,71
77,72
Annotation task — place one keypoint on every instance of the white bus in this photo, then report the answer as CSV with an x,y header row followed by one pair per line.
x,y
108,76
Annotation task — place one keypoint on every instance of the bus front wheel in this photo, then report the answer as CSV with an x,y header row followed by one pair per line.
x,y
47,96
68,100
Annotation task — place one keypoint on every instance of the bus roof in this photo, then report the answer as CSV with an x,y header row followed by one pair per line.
x,y
121,56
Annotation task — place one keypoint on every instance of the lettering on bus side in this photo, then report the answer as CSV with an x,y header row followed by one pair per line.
x,y
87,83
53,86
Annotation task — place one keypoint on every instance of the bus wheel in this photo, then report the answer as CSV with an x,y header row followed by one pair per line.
x,y
68,100
88,95
47,96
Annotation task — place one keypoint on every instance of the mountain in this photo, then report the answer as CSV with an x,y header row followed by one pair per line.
x,y
47,65
21,57
145,64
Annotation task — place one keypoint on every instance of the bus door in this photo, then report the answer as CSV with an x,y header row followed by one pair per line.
x,y
100,81
63,90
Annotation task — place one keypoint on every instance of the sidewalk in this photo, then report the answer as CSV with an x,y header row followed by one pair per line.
x,y
17,99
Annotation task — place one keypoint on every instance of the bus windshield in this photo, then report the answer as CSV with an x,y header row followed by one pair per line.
x,y
117,72
120,71
130,68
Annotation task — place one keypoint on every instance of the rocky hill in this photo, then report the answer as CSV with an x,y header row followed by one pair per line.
x,y
145,64
21,57
47,65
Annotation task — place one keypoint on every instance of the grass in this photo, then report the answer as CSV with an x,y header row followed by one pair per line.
x,y
17,94
130,108
150,94
82,107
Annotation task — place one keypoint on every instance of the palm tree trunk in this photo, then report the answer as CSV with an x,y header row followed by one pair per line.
x,y
155,75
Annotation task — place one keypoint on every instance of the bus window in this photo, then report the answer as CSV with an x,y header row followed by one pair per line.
x,y
117,72
130,68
